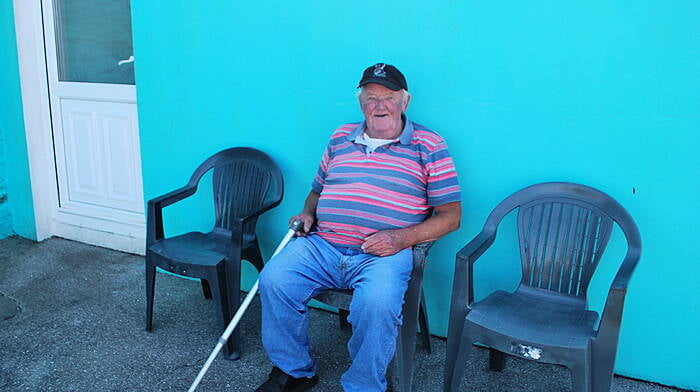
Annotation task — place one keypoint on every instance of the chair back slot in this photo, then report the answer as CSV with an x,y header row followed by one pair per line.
x,y
240,187
561,242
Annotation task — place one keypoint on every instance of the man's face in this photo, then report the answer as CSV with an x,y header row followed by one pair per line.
x,y
382,108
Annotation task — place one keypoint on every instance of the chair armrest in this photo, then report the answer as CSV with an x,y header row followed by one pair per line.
x,y
608,332
624,273
154,214
463,283
237,227
611,319
476,247
258,211
424,246
420,253
173,196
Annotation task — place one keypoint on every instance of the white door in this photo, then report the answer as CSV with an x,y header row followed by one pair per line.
x,y
92,96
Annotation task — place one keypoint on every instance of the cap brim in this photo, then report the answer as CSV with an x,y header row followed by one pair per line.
x,y
383,81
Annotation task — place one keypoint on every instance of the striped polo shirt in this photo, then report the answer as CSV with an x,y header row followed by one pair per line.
x,y
395,186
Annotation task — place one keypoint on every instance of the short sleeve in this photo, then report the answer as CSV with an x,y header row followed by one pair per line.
x,y
320,179
443,185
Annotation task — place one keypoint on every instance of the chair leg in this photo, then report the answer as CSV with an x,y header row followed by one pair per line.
x,y
406,343
405,350
458,350
150,291
392,379
497,360
581,378
423,321
206,290
253,255
601,381
602,365
343,318
233,287
217,281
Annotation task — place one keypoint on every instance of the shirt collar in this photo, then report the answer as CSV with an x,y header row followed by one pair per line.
x,y
405,137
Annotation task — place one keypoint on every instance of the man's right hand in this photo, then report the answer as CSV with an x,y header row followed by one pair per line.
x,y
308,214
306,219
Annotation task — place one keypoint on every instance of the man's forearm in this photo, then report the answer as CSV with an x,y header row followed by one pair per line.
x,y
387,242
445,220
311,203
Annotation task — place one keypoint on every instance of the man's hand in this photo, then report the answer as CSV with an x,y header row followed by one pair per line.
x,y
308,214
307,221
385,243
446,218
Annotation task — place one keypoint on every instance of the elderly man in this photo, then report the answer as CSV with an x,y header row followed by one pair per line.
x,y
383,185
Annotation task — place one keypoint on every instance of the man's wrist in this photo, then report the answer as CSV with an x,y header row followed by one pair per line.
x,y
404,237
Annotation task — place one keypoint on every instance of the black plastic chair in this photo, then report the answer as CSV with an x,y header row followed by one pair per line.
x,y
413,310
246,182
563,230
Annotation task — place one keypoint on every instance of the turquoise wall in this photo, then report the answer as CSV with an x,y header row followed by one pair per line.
x,y
601,93
16,208
5,217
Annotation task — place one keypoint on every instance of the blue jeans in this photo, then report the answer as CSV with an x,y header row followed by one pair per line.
x,y
308,266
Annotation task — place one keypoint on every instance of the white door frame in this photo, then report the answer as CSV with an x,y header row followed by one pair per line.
x,y
29,29
37,113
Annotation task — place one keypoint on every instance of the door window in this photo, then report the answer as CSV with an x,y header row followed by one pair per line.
x,y
92,37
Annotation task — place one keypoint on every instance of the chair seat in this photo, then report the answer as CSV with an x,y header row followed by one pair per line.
x,y
535,317
195,248
340,298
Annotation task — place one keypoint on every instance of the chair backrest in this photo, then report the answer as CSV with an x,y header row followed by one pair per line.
x,y
563,230
561,242
243,180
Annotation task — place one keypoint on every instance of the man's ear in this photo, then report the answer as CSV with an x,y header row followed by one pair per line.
x,y
405,104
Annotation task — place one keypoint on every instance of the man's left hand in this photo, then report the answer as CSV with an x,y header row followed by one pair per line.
x,y
384,243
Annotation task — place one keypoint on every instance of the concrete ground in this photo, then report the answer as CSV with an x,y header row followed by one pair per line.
x,y
72,318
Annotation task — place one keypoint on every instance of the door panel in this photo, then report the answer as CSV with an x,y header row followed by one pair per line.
x,y
122,140
100,140
80,146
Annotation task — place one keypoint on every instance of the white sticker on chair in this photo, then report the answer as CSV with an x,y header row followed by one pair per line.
x,y
524,351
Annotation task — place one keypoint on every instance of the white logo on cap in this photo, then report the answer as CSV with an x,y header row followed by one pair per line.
x,y
379,70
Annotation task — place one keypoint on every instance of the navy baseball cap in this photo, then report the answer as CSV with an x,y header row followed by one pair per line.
x,y
384,74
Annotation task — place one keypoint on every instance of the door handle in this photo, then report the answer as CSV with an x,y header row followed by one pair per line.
x,y
127,61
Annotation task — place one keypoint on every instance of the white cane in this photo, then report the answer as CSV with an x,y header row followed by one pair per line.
x,y
293,228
